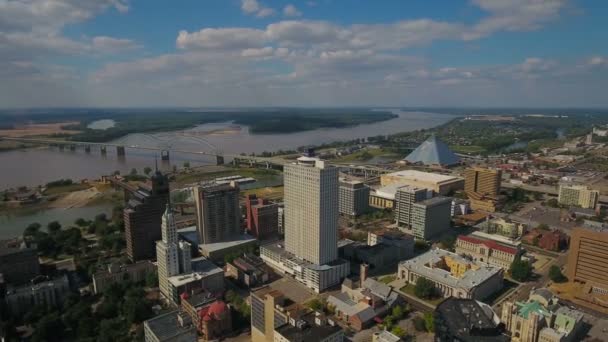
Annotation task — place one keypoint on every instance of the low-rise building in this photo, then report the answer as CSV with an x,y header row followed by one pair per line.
x,y
440,184
270,309
218,250
503,227
205,275
249,270
175,326
382,251
486,251
315,277
459,319
460,207
310,327
115,273
214,321
385,336
384,197
452,274
49,293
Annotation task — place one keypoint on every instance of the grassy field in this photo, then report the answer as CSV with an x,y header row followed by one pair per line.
x,y
467,149
271,193
56,190
198,176
387,279
409,289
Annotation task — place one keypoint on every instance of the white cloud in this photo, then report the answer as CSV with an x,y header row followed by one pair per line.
x,y
106,44
291,11
257,53
254,7
224,38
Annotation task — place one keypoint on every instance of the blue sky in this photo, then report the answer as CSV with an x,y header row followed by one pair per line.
x,y
130,53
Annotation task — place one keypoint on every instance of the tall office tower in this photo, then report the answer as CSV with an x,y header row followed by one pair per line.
x,y
353,197
431,217
587,258
185,257
144,208
483,181
405,197
218,213
578,195
311,210
262,217
167,253
281,219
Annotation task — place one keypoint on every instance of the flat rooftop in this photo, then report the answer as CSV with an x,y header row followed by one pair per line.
x,y
423,176
201,268
218,246
469,280
167,326
310,331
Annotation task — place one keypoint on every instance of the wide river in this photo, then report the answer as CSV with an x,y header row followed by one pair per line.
x,y
38,166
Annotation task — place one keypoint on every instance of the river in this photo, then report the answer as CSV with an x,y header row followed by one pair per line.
x,y
41,165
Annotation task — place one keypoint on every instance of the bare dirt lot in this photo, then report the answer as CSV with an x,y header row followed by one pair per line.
x,y
30,130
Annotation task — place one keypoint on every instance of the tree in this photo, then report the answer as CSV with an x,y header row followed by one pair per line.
x,y
32,229
556,275
316,304
53,227
447,242
151,279
429,322
398,331
397,312
81,222
147,170
424,288
543,226
49,328
186,165
133,172
520,270
553,203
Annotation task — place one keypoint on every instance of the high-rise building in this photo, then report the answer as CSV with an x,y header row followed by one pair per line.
x,y
431,217
311,210
587,257
281,219
262,217
578,195
483,181
144,208
218,212
167,253
405,197
353,197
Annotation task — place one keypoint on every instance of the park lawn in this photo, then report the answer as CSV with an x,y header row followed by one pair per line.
x,y
258,174
271,193
387,279
56,190
467,149
409,289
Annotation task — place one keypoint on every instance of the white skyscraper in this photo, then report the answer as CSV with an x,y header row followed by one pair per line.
x,y
167,253
311,210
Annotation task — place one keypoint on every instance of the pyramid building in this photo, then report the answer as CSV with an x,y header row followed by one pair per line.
x,y
433,152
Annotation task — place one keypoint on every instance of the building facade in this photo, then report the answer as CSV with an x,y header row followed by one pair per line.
x,y
142,215
405,197
115,274
452,274
311,210
486,251
49,293
174,326
167,257
483,181
440,184
218,212
262,217
18,263
353,197
587,257
578,195
431,217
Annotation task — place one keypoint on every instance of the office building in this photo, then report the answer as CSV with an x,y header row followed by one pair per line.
x,y
144,208
440,184
486,251
270,309
587,258
433,152
174,326
218,213
353,197
115,274
578,195
405,197
262,217
167,253
42,291
431,217
311,210
453,275
281,219
384,197
460,319
18,263
483,181
248,270
503,227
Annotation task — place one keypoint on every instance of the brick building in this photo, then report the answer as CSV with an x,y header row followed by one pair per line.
x,y
262,217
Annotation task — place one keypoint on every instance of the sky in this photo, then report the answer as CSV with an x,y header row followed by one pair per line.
x,y
239,53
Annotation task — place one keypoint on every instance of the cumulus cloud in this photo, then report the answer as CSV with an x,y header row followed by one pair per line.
x,y
254,7
106,44
291,11
224,38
